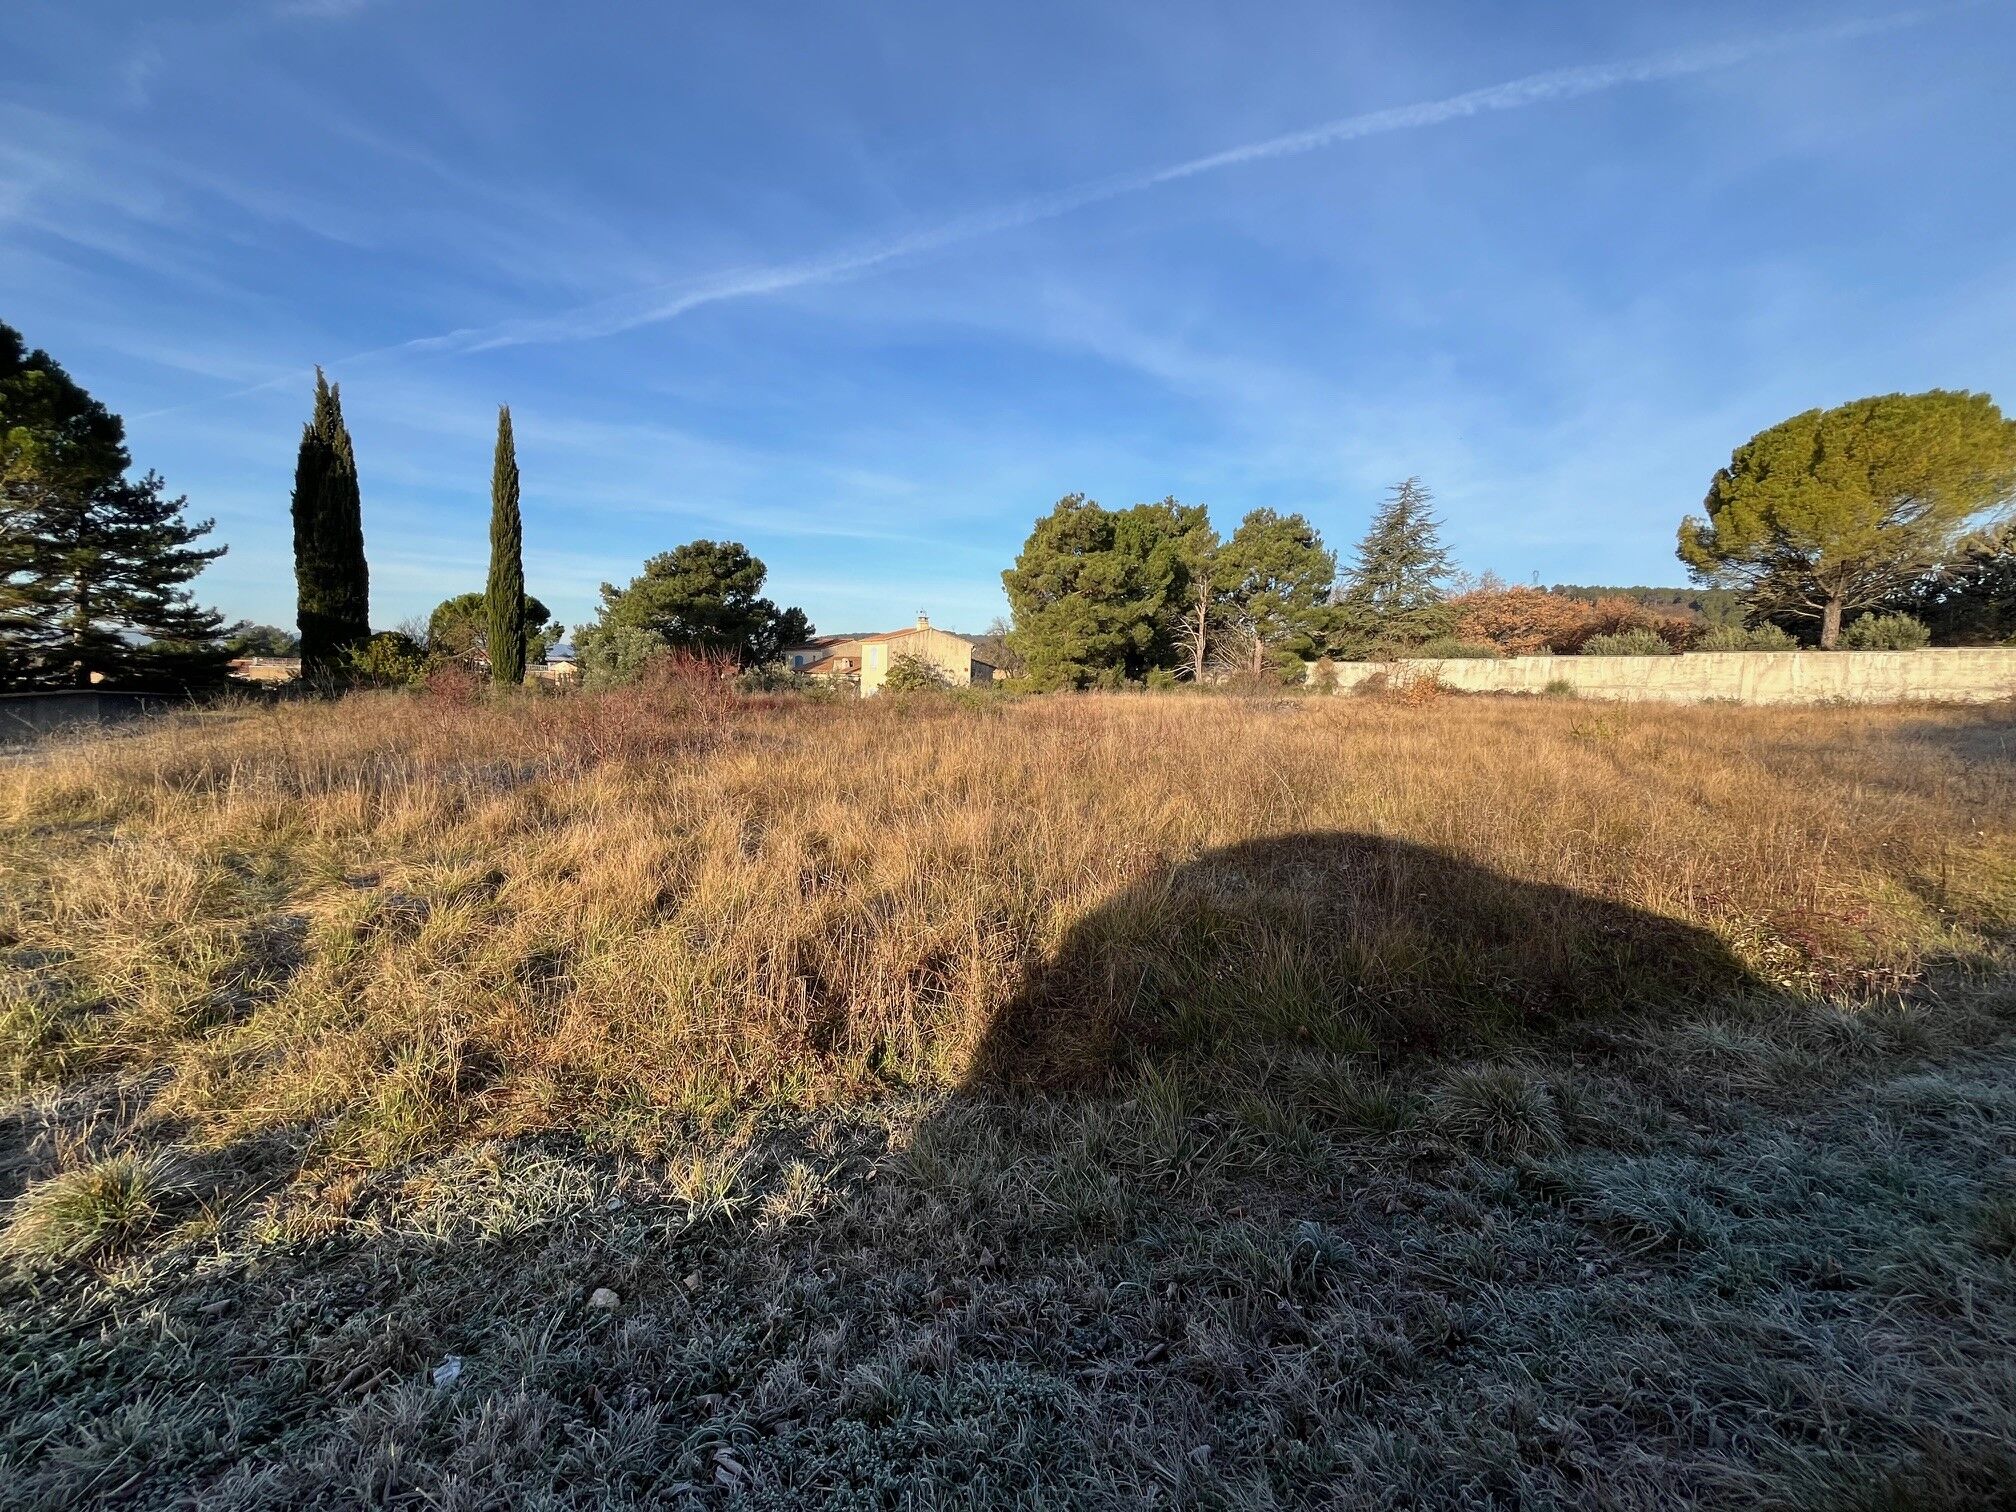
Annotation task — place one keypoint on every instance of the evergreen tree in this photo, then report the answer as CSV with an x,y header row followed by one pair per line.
x,y
93,565
247,639
332,580
458,629
1837,510
1098,595
1163,548
1276,577
504,598
704,596
1393,594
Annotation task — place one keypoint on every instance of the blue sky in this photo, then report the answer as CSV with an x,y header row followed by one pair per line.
x,y
869,286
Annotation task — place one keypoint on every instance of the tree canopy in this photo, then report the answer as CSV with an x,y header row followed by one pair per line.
x,y
1836,510
1274,580
245,639
459,628
706,596
1971,600
1099,595
93,564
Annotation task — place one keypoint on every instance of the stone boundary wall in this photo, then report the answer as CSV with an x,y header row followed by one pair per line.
x,y
1964,675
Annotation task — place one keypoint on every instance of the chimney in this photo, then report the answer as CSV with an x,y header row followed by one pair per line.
x,y
923,620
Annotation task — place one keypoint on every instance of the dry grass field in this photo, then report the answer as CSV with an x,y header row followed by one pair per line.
x,y
667,1096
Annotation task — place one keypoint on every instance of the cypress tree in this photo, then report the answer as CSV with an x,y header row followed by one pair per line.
x,y
332,580
504,598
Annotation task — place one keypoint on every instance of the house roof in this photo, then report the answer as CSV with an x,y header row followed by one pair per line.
x,y
889,635
818,641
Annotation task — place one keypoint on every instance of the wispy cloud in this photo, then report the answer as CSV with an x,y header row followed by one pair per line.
x,y
612,316
665,302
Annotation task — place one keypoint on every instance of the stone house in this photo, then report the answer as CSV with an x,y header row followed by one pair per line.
x,y
952,655
829,658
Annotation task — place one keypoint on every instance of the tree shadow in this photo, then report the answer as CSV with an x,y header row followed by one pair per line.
x,y
1338,941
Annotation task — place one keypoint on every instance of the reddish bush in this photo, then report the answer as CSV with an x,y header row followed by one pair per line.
x,y
1523,621
1528,621
455,683
1617,615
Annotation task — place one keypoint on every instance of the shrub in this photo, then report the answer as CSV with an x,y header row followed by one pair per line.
x,y
1746,638
773,678
1529,621
1416,688
613,655
1627,643
1614,614
390,659
913,674
1560,687
1449,648
1886,632
1161,680
454,682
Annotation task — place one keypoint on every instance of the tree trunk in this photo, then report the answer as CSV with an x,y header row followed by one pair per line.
x,y
1830,625
1197,645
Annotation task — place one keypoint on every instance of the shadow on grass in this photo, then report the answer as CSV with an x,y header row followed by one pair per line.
x,y
1088,1300
1341,942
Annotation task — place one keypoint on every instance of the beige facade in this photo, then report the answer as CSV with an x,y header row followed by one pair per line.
x,y
844,651
951,654
1956,675
266,669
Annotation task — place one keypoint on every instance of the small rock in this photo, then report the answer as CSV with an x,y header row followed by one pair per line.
x,y
449,1371
604,1299
692,1281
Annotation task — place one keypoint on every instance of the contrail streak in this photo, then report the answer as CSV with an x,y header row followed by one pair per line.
x,y
668,302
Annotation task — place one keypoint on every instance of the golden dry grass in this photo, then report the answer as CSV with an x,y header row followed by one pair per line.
x,y
410,920
1514,1103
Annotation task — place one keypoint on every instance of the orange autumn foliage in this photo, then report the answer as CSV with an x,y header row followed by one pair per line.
x,y
1530,621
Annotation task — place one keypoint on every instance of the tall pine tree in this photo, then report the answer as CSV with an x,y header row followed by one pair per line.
x,y
1392,597
332,581
504,598
93,565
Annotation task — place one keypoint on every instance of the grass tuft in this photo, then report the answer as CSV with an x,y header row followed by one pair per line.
x,y
1496,1110
93,1210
